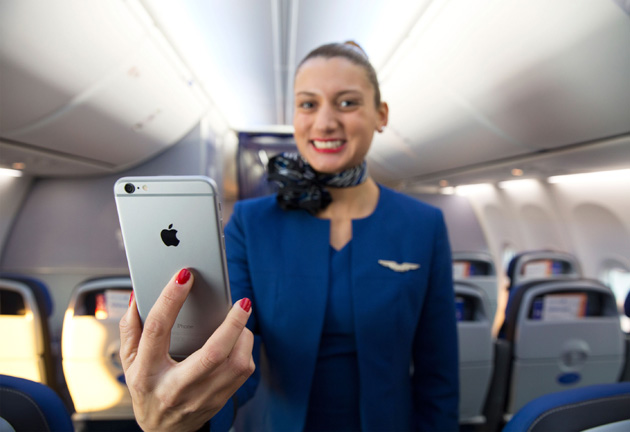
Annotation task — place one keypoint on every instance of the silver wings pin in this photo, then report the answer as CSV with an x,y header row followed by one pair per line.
x,y
399,267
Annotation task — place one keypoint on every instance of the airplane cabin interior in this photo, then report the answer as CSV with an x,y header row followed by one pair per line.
x,y
512,117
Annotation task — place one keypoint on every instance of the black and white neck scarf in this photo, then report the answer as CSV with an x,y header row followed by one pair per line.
x,y
301,187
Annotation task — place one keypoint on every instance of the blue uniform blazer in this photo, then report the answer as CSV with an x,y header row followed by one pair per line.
x,y
280,260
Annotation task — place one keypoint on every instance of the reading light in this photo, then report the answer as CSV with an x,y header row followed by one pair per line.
x,y
7,172
518,184
517,172
472,189
100,312
600,176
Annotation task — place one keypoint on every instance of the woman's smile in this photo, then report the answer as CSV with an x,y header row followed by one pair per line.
x,y
328,145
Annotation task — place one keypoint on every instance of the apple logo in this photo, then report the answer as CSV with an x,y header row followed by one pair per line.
x,y
169,236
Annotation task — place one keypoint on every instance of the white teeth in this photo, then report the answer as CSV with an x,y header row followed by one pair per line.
x,y
327,144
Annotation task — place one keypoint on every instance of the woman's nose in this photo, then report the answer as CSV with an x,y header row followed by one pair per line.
x,y
326,119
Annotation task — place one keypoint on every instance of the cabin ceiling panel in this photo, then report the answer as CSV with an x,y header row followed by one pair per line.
x,y
438,130
123,120
468,82
575,90
52,51
48,164
379,27
607,155
529,75
604,155
393,157
230,47
91,81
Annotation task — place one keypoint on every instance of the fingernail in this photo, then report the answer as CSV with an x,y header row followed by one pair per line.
x,y
131,298
245,304
183,276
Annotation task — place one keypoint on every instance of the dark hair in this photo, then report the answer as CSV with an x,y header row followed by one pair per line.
x,y
352,51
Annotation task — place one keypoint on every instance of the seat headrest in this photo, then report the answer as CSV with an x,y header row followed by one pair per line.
x,y
29,405
518,294
38,288
575,409
568,265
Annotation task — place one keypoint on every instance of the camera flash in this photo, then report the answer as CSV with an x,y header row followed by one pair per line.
x,y
145,188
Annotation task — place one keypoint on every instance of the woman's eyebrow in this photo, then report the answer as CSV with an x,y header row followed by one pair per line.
x,y
339,93
351,92
304,93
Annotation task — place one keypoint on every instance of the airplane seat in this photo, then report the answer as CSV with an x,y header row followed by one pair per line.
x,y
24,311
538,265
478,268
90,345
562,334
27,406
474,328
542,264
601,408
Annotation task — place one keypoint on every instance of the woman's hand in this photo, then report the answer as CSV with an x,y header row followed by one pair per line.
x,y
172,396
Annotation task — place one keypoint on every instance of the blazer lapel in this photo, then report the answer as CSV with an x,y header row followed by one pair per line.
x,y
300,309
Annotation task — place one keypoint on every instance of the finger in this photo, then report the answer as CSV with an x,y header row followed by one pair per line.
x,y
241,360
130,328
219,346
230,375
156,334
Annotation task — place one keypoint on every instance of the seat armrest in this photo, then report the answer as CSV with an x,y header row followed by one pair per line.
x,y
497,393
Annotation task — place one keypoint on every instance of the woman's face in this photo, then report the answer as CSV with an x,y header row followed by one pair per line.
x,y
335,117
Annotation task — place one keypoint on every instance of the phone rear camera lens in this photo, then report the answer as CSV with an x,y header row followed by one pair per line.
x,y
129,188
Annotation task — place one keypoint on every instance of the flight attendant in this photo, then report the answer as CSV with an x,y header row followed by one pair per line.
x,y
348,284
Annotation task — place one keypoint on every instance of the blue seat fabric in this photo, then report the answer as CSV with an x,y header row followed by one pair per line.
x,y
574,410
30,406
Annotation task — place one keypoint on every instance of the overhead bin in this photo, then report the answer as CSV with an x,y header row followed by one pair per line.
x,y
90,345
24,309
91,73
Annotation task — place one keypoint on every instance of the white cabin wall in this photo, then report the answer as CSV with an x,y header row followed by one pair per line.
x,y
13,191
517,220
67,231
590,220
598,219
464,231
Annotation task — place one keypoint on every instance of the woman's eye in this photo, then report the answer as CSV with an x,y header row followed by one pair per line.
x,y
306,105
347,103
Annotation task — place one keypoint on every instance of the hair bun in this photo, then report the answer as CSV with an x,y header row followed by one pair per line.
x,y
356,47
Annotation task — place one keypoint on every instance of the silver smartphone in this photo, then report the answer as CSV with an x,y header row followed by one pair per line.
x,y
170,223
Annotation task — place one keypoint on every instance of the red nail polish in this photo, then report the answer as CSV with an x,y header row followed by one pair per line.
x,y
183,276
245,304
130,298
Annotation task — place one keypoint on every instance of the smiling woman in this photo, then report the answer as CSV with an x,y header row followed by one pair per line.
x,y
337,291
323,303
334,114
